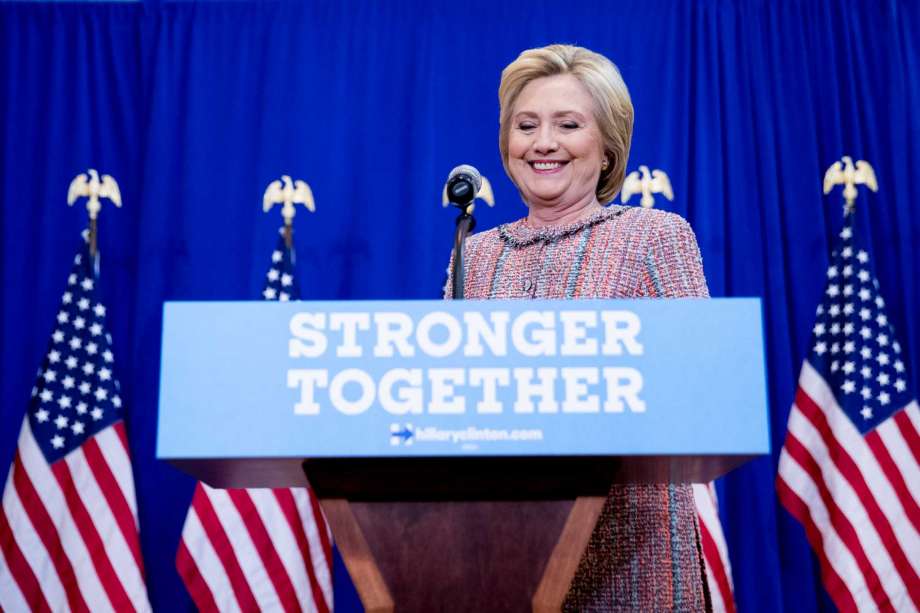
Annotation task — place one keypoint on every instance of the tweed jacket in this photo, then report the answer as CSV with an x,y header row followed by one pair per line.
x,y
644,553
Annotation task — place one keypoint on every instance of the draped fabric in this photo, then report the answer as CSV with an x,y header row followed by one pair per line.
x,y
195,107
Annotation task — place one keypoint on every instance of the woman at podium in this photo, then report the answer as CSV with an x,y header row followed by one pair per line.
x,y
565,130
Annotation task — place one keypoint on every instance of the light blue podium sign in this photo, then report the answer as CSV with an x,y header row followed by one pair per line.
x,y
250,389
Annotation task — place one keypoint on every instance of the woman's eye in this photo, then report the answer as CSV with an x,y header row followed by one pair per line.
x,y
526,126
570,125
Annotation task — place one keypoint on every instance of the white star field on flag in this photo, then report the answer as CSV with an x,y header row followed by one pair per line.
x,y
76,394
853,342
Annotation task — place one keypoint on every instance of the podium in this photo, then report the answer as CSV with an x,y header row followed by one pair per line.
x,y
462,451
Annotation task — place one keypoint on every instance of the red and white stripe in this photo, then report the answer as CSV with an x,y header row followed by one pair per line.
x,y
256,550
857,497
715,549
69,531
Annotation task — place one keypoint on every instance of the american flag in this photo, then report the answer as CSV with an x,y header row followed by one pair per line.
x,y
848,470
715,549
258,549
68,526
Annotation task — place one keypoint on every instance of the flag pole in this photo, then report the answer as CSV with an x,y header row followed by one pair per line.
x,y
74,428
718,575
307,551
89,185
851,442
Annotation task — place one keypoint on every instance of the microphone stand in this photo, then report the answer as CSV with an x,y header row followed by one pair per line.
x,y
465,224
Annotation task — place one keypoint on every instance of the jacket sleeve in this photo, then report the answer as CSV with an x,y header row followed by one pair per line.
x,y
673,266
448,290
471,251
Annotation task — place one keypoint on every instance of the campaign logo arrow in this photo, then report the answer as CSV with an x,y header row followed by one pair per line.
x,y
401,434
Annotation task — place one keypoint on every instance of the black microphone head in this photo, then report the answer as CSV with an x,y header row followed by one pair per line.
x,y
463,184
469,171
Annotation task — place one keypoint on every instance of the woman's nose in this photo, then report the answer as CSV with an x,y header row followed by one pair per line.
x,y
545,140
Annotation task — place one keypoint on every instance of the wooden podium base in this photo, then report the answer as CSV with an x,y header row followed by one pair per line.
x,y
476,534
462,556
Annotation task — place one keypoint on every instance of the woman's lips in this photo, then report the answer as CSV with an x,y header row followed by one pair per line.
x,y
547,167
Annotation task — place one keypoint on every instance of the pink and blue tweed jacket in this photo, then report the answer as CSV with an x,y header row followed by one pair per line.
x,y
644,554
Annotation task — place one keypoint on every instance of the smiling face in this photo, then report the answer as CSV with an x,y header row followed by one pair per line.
x,y
555,148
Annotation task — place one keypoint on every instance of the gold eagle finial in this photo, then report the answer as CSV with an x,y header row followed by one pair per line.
x,y
287,193
644,182
844,172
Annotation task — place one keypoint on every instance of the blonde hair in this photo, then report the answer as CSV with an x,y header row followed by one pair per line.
x,y
600,76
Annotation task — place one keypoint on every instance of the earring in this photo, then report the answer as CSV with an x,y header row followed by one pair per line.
x,y
605,164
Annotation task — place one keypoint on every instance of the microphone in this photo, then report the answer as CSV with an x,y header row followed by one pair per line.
x,y
463,184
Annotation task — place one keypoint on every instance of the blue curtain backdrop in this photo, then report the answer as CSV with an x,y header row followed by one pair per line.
x,y
195,107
